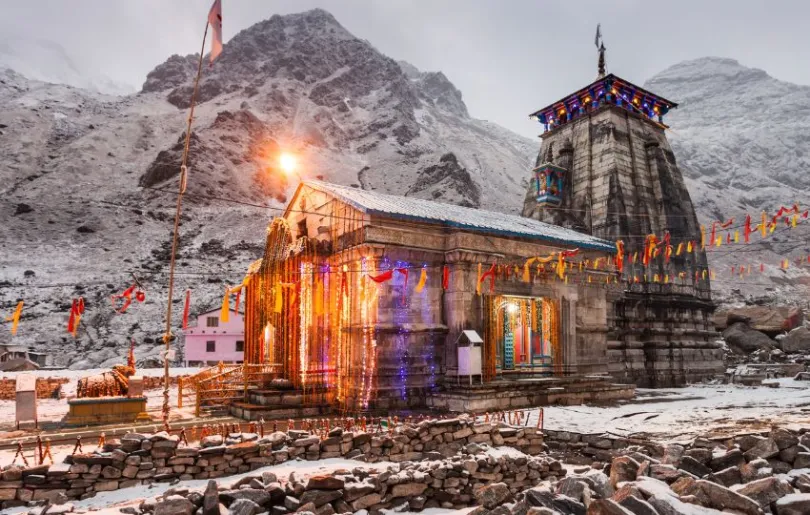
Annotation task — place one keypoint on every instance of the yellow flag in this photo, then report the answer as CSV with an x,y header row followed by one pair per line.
x,y
478,281
679,249
422,280
689,247
736,236
794,220
526,275
225,312
702,237
15,318
719,241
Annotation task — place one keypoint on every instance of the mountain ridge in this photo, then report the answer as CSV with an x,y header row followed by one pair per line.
x,y
108,167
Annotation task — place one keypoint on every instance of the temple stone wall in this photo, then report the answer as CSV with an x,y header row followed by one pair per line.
x,y
622,183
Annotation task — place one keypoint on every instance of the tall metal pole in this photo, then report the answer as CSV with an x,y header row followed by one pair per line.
x,y
167,336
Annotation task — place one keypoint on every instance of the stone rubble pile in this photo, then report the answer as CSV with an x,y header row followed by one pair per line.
x,y
749,474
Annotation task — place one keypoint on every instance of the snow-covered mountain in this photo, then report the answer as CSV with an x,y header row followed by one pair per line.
x,y
82,173
742,140
47,61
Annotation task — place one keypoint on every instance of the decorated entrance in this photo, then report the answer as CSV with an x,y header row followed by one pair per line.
x,y
523,334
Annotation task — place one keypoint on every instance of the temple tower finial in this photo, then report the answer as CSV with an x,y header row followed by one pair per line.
x,y
600,46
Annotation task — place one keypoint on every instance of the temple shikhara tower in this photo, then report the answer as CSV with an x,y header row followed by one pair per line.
x,y
605,168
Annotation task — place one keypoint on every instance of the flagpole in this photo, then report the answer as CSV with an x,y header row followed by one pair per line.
x,y
167,336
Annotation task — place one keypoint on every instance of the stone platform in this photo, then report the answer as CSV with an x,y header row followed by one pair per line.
x,y
106,410
272,404
509,394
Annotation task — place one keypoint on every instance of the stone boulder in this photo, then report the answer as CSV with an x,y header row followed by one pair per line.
x,y
244,507
732,458
693,466
722,498
797,340
608,507
174,505
741,338
767,319
765,491
766,448
793,504
492,495
623,468
784,438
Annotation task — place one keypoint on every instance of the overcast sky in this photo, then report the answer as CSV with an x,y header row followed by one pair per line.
x,y
508,57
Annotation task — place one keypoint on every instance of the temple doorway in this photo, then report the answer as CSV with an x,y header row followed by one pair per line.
x,y
526,334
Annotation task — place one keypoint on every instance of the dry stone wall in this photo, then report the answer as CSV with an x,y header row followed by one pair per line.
x,y
139,459
47,388
457,482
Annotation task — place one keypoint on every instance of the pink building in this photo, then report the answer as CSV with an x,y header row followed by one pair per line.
x,y
212,341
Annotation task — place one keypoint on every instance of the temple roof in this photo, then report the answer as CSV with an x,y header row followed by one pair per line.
x,y
593,88
408,208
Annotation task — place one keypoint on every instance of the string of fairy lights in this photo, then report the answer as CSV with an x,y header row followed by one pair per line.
x,y
654,248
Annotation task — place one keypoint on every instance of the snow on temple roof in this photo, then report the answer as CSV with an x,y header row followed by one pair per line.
x,y
409,208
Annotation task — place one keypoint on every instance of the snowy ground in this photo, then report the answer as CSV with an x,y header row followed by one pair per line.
x,y
54,410
681,413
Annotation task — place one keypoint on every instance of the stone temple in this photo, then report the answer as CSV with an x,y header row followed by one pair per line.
x,y
605,168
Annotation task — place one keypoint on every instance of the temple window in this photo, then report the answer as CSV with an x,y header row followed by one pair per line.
x,y
549,181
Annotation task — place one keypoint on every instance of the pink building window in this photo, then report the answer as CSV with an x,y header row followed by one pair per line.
x,y
210,346
212,322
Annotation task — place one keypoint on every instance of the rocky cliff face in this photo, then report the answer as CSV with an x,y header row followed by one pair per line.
x,y
740,138
89,181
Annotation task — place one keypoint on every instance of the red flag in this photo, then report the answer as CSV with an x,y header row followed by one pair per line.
x,y
127,296
491,274
215,20
186,309
76,311
383,277
748,230
445,277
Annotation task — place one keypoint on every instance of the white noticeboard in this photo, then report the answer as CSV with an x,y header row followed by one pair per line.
x,y
469,361
469,354
26,399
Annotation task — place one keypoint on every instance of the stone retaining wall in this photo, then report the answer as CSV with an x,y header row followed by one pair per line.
x,y
47,388
138,459
457,482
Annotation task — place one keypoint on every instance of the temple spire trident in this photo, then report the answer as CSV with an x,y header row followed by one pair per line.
x,y
600,46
